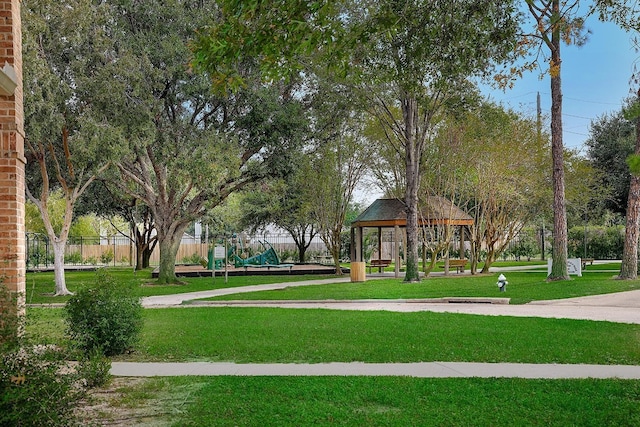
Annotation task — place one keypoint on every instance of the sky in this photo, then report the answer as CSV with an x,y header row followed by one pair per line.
x,y
596,78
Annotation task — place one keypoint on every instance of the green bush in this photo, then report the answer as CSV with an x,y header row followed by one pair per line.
x,y
9,320
36,387
73,258
33,391
94,369
193,259
105,316
37,255
107,256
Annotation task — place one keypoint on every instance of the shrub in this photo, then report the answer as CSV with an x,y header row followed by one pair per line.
x,y
36,385
193,259
9,319
73,258
94,369
37,255
36,388
107,256
104,317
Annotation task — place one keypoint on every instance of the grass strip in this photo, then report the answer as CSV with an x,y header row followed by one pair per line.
x,y
523,287
247,335
398,401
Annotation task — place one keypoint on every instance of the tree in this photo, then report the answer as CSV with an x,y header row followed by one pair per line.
x,y
109,202
418,57
586,189
337,167
507,192
556,22
611,140
470,165
414,56
629,266
188,148
67,145
283,204
627,14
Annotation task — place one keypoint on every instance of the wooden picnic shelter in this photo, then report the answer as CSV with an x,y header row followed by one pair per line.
x,y
391,213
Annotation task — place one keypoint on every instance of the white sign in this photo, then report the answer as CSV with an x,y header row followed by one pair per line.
x,y
219,252
574,266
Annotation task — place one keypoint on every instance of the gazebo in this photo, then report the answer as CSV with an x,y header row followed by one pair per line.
x,y
391,213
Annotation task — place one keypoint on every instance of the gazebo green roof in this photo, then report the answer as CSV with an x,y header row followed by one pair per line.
x,y
436,210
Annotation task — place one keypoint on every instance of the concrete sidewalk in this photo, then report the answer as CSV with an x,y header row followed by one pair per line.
x,y
417,370
623,307
161,301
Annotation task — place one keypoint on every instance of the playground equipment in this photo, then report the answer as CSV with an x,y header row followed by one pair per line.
x,y
267,257
219,263
237,254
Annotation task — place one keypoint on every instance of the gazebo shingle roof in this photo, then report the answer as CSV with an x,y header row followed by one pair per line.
x,y
391,212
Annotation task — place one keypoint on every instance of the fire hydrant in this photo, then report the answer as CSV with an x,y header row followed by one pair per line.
x,y
502,283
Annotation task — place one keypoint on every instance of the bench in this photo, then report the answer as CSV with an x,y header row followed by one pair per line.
x,y
458,264
585,261
379,263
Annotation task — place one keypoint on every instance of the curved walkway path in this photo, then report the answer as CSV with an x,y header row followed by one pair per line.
x,y
623,307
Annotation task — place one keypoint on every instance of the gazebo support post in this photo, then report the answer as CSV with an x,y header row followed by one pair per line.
x,y
461,252
396,238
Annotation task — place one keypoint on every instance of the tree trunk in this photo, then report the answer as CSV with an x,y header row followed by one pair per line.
x,y
629,267
302,252
559,269
335,251
139,255
412,162
169,245
146,256
58,266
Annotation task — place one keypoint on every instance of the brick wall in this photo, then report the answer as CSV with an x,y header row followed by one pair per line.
x,y
12,241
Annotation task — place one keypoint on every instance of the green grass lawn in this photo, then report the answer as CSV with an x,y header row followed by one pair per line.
x,y
247,335
389,401
40,285
523,287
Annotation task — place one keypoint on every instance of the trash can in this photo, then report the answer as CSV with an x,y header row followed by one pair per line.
x,y
358,272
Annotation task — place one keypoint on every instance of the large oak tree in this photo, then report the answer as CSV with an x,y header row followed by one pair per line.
x,y
188,148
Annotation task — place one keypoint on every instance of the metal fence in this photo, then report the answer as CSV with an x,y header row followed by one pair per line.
x,y
120,250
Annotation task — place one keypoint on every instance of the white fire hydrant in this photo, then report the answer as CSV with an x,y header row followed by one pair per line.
x,y
502,283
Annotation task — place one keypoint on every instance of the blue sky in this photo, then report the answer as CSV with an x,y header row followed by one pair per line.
x,y
595,81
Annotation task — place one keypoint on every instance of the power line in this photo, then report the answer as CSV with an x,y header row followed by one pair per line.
x,y
588,101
